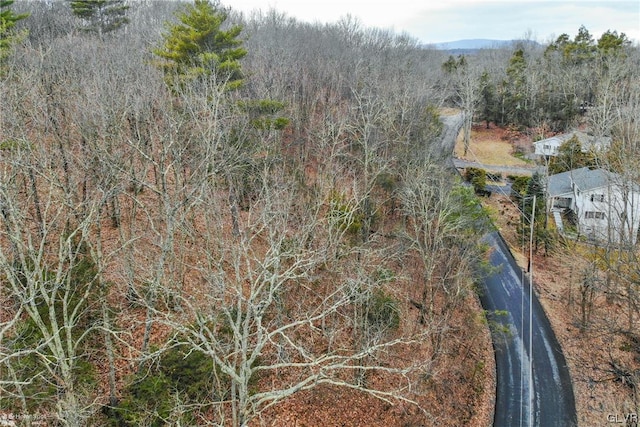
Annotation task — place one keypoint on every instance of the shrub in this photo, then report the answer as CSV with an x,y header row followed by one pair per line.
x,y
477,177
180,373
519,187
383,312
387,181
344,216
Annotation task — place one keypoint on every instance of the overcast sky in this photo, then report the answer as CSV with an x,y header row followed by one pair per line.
x,y
437,21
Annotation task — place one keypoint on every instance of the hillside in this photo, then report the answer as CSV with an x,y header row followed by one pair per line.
x,y
472,46
215,219
274,246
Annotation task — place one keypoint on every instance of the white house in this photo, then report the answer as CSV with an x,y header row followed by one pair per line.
x,y
605,206
549,147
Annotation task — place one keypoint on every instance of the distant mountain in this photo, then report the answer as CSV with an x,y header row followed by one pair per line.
x,y
473,45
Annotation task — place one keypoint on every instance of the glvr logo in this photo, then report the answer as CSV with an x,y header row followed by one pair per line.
x,y
627,419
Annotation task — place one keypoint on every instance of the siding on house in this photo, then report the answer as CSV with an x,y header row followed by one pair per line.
x,y
549,147
606,206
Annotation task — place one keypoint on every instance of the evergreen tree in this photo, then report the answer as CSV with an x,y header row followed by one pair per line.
x,y
199,47
570,156
102,16
451,65
583,46
611,42
583,49
8,20
514,109
488,103
535,187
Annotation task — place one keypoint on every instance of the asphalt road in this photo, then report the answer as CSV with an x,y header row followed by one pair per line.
x,y
533,384
509,170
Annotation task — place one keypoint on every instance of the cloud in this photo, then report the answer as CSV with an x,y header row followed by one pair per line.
x,y
509,20
435,22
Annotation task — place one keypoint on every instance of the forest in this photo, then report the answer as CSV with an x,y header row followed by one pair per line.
x,y
209,218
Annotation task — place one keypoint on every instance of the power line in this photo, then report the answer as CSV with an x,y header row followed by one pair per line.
x,y
530,268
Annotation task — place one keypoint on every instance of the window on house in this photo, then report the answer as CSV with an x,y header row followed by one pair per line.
x,y
597,197
594,215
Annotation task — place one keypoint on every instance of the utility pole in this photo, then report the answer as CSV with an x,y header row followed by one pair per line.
x,y
533,216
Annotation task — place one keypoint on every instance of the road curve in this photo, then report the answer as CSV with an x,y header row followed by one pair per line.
x,y
533,385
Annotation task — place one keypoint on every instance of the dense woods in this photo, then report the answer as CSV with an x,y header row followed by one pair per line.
x,y
205,215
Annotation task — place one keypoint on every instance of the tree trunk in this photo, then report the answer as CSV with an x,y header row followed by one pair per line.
x,y
36,201
233,206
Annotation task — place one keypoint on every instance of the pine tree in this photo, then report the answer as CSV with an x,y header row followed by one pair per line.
x,y
102,16
514,96
583,49
535,192
488,101
611,42
8,20
198,47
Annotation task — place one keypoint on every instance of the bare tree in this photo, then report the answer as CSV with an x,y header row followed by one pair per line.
x,y
467,87
264,313
442,238
52,284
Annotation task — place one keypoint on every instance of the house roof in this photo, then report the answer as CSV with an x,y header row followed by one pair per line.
x,y
561,183
587,141
591,179
584,179
556,140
